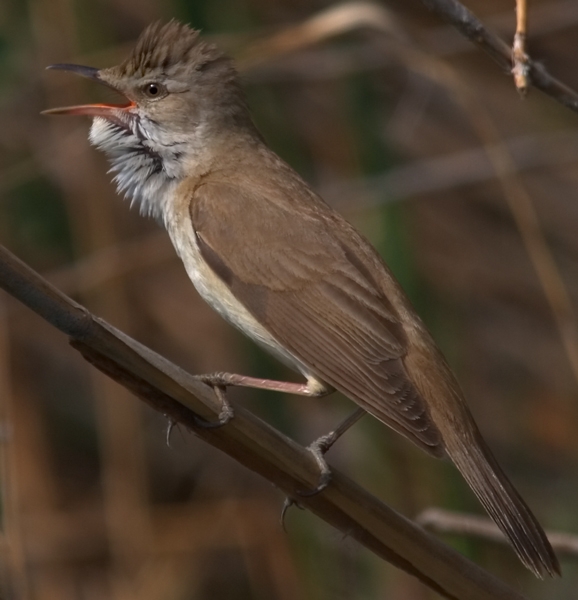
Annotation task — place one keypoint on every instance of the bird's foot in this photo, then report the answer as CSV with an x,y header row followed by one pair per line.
x,y
218,382
318,448
321,445
170,427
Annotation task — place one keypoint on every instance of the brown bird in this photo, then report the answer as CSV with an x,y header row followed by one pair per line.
x,y
277,262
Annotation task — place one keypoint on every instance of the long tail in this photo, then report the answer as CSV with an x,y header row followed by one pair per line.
x,y
463,443
482,472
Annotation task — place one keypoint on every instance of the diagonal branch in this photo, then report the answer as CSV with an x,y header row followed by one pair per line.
x,y
253,443
470,26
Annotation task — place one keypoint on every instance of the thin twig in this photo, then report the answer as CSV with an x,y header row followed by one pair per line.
x,y
520,58
252,442
545,22
470,26
445,521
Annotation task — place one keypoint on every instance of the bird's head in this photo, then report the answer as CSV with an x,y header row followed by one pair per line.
x,y
181,93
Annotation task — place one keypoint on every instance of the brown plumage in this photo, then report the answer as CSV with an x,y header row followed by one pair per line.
x,y
276,261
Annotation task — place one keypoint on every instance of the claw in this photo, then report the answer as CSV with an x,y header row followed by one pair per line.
x,y
287,504
170,428
226,413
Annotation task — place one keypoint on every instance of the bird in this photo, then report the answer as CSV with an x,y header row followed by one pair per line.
x,y
277,262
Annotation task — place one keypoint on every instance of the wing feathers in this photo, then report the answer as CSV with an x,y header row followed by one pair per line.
x,y
319,301
381,388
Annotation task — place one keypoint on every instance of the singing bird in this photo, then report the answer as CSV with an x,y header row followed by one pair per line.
x,y
265,251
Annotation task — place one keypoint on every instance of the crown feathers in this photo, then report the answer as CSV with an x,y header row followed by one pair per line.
x,y
167,47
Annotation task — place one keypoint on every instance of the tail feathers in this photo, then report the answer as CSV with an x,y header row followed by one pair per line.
x,y
505,506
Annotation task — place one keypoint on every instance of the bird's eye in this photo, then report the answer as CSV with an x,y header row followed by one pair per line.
x,y
154,90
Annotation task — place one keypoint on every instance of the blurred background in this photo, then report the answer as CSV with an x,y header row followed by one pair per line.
x,y
426,146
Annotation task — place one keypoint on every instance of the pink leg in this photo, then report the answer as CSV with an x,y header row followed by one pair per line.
x,y
220,381
312,388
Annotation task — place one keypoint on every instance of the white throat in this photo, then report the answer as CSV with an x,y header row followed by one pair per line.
x,y
147,162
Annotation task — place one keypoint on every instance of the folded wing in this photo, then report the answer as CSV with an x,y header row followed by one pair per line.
x,y
315,293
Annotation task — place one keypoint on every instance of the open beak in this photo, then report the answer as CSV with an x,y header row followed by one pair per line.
x,y
93,110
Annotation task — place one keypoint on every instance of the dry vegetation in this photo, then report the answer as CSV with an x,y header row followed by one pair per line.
x,y
469,192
